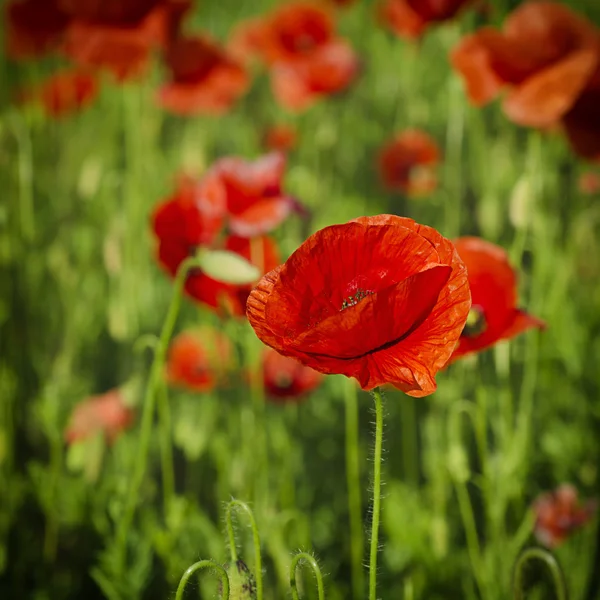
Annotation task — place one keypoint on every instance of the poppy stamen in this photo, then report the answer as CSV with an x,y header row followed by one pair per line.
x,y
354,300
476,323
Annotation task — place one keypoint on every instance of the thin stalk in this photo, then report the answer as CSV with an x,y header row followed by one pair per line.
x,y
376,494
255,539
166,449
353,483
558,578
156,371
204,564
310,560
25,170
410,451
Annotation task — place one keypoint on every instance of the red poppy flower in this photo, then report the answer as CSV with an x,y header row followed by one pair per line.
x,y
65,92
407,163
192,217
105,413
305,58
281,137
197,359
204,78
545,55
582,122
589,182
493,282
33,27
410,18
286,378
231,299
256,203
381,299
558,514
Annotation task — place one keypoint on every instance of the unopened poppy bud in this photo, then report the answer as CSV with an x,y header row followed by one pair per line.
x,y
242,585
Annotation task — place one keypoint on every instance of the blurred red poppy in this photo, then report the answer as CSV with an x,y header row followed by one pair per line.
x,y
589,182
33,27
286,379
119,36
298,44
256,203
381,299
582,122
105,413
407,163
228,298
410,18
281,137
558,514
493,282
192,217
65,92
204,78
546,54
197,359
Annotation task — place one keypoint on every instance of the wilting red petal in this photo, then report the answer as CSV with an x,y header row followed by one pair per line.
x,y
286,379
494,294
106,413
198,358
319,306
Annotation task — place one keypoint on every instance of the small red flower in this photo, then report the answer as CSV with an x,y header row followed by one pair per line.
x,y
105,413
198,359
589,182
286,378
33,27
493,282
281,137
65,92
256,203
204,78
410,18
545,55
407,163
306,59
558,514
381,299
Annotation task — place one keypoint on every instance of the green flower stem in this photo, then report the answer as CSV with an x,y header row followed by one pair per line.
x,y
558,578
310,560
353,482
255,539
166,449
154,380
204,564
410,450
376,493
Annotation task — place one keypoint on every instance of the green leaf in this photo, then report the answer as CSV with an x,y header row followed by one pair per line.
x,y
227,267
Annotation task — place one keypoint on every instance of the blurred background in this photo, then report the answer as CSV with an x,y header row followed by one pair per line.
x,y
134,133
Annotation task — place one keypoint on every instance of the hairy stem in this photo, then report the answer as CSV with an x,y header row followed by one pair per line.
x,y
558,578
204,564
376,493
310,560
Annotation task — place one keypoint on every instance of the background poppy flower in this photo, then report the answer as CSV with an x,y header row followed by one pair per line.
x,y
105,413
558,514
225,297
197,359
192,217
255,200
33,27
286,378
65,92
381,299
493,282
407,163
589,182
582,122
204,78
410,18
546,54
281,137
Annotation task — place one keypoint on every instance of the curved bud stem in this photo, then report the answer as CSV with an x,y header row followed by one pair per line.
x,y
314,565
204,564
558,578
255,539
148,407
376,493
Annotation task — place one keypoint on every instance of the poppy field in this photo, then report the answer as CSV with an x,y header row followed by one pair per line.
x,y
300,299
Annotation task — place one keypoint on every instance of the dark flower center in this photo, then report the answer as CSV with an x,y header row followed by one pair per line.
x,y
476,323
355,299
